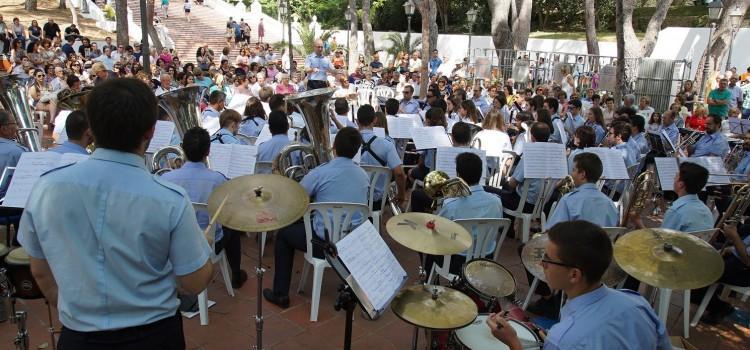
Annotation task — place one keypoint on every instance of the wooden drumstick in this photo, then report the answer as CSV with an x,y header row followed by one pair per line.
x,y
216,215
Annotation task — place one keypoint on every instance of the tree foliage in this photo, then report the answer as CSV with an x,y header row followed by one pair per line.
x,y
398,43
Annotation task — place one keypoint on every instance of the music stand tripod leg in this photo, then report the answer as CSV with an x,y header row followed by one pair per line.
x,y
348,301
259,314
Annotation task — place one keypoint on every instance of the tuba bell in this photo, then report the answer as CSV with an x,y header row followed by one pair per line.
x,y
14,98
296,160
639,192
439,186
181,107
72,101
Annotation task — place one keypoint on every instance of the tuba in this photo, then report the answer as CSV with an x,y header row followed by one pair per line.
x,y
296,160
14,98
438,186
566,185
639,192
181,107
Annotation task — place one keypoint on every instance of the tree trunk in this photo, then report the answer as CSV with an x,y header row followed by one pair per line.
x,y
73,14
121,16
620,35
632,49
592,44
30,5
500,24
654,26
433,26
353,28
443,6
521,23
427,9
62,5
367,31
151,30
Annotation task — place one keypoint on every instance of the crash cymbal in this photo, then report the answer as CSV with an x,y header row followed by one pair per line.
x,y
429,234
259,203
533,253
434,307
668,259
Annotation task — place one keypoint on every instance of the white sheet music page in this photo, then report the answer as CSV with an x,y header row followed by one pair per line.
x,y
219,157
543,160
162,136
430,137
28,170
59,132
400,127
446,159
666,169
613,162
242,161
715,167
372,264
238,103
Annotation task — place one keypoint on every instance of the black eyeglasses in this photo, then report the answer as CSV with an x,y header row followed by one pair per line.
x,y
547,260
40,75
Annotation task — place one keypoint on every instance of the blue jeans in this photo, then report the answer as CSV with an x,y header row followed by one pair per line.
x,y
746,113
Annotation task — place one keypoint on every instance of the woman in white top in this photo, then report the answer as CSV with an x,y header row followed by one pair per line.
x,y
188,5
451,113
492,138
567,81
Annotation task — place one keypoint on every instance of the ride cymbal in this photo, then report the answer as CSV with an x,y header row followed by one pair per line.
x,y
434,307
429,234
668,259
259,203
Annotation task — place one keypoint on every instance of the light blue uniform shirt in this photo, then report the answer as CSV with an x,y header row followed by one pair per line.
x,y
639,141
672,132
339,180
409,107
743,167
688,214
226,137
608,319
714,145
268,150
586,202
198,181
252,126
479,205
556,136
69,147
534,184
599,132
572,123
629,153
385,150
320,62
116,245
10,153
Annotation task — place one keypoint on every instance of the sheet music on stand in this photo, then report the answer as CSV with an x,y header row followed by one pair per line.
x,y
614,163
445,159
544,160
430,137
666,169
399,127
717,174
656,143
369,267
233,160
30,167
162,136
738,126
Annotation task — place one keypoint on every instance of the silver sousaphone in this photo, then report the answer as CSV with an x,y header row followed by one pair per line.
x,y
14,98
181,106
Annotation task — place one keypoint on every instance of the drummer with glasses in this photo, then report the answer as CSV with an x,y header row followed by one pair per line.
x,y
595,316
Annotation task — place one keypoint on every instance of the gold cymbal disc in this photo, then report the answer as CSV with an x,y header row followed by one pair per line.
x,y
434,307
429,234
668,259
259,203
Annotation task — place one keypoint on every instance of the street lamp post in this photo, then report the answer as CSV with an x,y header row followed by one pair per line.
x,y
348,16
714,13
471,15
409,9
287,9
735,17
282,18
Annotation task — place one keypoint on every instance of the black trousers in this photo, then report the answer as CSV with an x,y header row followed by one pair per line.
x,y
165,334
288,240
316,84
735,273
231,242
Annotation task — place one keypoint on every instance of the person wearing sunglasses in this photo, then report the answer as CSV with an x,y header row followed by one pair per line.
x,y
594,316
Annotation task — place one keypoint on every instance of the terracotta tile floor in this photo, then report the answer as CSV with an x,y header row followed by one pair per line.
x,y
232,324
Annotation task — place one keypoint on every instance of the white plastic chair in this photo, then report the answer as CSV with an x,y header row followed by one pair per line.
x,y
377,174
385,91
745,291
221,258
336,229
365,95
484,232
545,190
417,184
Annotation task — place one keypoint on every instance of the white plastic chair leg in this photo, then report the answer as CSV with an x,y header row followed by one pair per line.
x,y
203,307
303,277
686,313
526,223
702,307
532,288
745,296
376,219
317,286
663,305
224,267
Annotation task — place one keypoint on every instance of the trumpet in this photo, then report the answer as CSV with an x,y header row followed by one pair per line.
x,y
690,140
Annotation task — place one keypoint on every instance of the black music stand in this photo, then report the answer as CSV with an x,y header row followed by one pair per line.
x,y
658,145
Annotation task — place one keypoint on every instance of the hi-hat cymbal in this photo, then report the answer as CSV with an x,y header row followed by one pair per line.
x,y
259,203
434,307
668,259
429,234
533,253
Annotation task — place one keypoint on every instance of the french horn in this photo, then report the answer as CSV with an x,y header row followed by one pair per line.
x,y
439,186
181,107
14,98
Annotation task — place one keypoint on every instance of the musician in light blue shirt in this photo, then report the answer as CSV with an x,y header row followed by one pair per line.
x,y
278,124
10,151
408,105
668,127
479,101
229,120
79,135
254,118
512,193
111,259
574,120
743,167
594,316
713,143
619,135
551,104
586,202
379,151
317,66
637,137
340,180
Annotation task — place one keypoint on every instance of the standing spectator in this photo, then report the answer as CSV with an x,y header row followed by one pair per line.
x,y
246,31
737,98
51,30
719,99
35,31
85,48
435,62
72,32
187,6
165,7
5,35
688,91
229,34
68,46
18,30
108,43
261,31
237,28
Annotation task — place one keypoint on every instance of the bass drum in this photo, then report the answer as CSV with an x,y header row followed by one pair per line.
x,y
477,336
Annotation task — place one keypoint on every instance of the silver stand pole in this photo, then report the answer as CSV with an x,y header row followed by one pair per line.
x,y
259,270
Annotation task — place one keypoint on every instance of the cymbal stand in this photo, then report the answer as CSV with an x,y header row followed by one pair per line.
x,y
259,270
22,337
51,328
422,273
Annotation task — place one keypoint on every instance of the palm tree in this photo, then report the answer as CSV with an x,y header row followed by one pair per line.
x,y
308,38
399,44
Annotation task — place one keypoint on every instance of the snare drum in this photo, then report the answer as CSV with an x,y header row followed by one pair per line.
x,y
477,336
19,273
484,279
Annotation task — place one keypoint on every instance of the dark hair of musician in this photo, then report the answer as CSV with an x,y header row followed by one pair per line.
x,y
347,142
552,103
460,93
540,132
621,129
277,102
590,164
196,144
76,125
715,118
254,109
500,98
586,137
216,97
543,116
121,112
524,116
278,123
471,110
5,118
626,110
693,176
638,122
365,115
436,117
469,167
229,116
439,103
341,106
537,103
391,106
598,115
584,246
576,103
461,133
265,93
72,79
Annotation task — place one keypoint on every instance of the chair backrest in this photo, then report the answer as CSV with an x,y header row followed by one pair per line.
x,y
484,232
378,175
546,188
704,235
498,168
250,140
337,220
263,167
203,208
364,95
385,91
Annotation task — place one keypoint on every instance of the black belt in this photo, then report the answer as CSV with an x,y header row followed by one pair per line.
x,y
129,331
